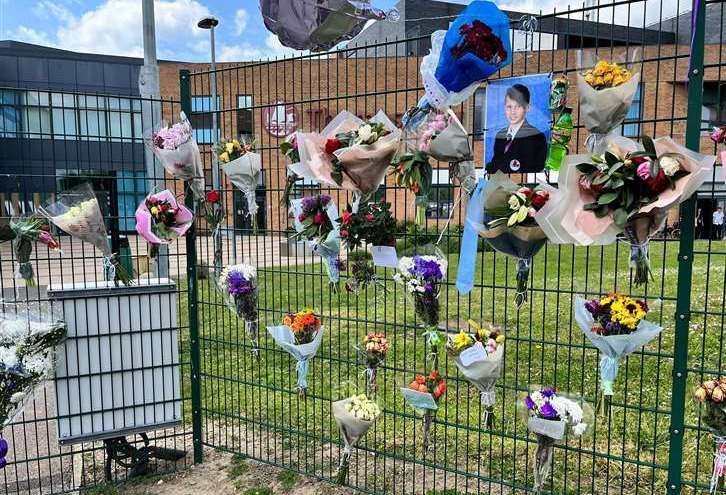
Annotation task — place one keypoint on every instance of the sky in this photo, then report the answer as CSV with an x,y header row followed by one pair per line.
x,y
113,27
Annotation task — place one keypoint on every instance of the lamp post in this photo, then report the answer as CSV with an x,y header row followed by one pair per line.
x,y
210,23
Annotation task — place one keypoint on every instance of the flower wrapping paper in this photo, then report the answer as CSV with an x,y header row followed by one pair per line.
x,y
144,221
483,373
244,174
364,165
303,353
452,145
354,428
613,347
328,248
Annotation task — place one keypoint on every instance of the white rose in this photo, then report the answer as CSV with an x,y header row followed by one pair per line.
x,y
670,165
365,133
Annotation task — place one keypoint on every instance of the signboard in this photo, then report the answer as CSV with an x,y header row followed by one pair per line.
x,y
280,119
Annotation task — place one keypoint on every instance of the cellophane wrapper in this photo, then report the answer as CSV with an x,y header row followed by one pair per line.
x,y
352,429
244,174
483,375
328,248
303,353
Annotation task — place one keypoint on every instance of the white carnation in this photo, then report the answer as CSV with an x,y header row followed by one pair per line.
x,y
365,133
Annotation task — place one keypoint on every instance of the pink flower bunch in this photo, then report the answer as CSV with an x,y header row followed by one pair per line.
x,y
718,135
170,138
433,127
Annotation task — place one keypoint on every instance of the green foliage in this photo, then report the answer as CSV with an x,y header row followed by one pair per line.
x,y
258,491
238,466
288,479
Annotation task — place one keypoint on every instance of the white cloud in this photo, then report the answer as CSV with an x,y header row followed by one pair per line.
x,y
240,21
30,35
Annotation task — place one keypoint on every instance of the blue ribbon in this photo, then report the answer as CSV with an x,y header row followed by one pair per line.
x,y
470,240
302,373
608,373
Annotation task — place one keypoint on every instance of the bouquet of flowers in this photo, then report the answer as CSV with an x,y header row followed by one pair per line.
x,y
423,394
318,26
24,232
239,286
77,212
177,150
354,415
450,143
412,170
631,190
506,215
476,45
300,335
712,394
718,136
316,221
363,272
289,148
421,276
549,414
373,224
349,153
374,347
606,93
28,336
161,220
478,357
242,166
616,325
558,94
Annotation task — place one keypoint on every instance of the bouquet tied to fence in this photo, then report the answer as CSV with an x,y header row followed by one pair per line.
x,y
349,153
300,335
355,416
606,93
24,232
616,326
289,149
632,189
28,337
238,284
478,356
316,221
421,276
372,224
175,147
423,394
450,143
77,212
160,219
362,273
712,394
548,416
506,215
374,348
242,166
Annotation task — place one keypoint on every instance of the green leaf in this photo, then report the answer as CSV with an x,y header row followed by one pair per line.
x,y
649,146
616,183
586,168
591,206
607,198
611,159
602,211
601,179
615,167
654,168
620,216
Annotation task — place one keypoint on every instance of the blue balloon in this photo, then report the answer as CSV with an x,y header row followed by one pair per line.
x,y
481,29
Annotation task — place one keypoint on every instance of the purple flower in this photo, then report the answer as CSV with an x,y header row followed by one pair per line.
x,y
529,402
547,411
547,392
324,199
3,447
593,307
612,327
238,284
309,204
427,269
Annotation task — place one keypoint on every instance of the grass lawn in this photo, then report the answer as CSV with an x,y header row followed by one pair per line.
x,y
626,453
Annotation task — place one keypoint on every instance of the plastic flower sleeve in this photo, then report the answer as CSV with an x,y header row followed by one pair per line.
x,y
452,145
483,372
77,212
26,231
603,110
175,147
328,248
476,45
238,286
244,174
354,416
303,353
613,347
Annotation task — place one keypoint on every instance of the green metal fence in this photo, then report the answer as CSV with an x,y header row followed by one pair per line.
x,y
652,442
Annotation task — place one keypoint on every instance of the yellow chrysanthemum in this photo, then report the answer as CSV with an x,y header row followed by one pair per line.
x,y
461,341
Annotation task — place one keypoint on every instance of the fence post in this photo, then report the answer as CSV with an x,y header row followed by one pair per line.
x,y
685,257
185,94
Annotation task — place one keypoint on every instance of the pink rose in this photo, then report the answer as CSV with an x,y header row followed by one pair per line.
x,y
370,217
643,170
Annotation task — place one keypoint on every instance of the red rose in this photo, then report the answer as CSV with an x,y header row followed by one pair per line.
x,y
346,217
370,217
526,191
318,218
301,218
538,200
332,144
343,233
659,183
212,196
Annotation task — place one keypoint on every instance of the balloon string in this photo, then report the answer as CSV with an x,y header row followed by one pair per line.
x,y
448,220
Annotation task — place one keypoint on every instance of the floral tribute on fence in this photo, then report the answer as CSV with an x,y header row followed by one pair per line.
x,y
24,232
177,150
300,335
289,149
478,355
362,273
28,337
712,394
374,348
355,416
160,219
548,416
423,394
316,221
238,284
77,212
242,166
616,326
374,225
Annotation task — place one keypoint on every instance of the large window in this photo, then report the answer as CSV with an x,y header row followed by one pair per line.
x,y
45,115
631,124
245,117
201,119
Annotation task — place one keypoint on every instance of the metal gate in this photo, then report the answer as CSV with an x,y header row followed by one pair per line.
x,y
651,441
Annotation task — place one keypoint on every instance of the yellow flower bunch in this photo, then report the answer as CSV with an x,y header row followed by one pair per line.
x,y
624,310
487,331
231,150
607,75
460,342
363,408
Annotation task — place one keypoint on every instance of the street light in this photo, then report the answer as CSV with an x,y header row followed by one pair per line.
x,y
210,23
